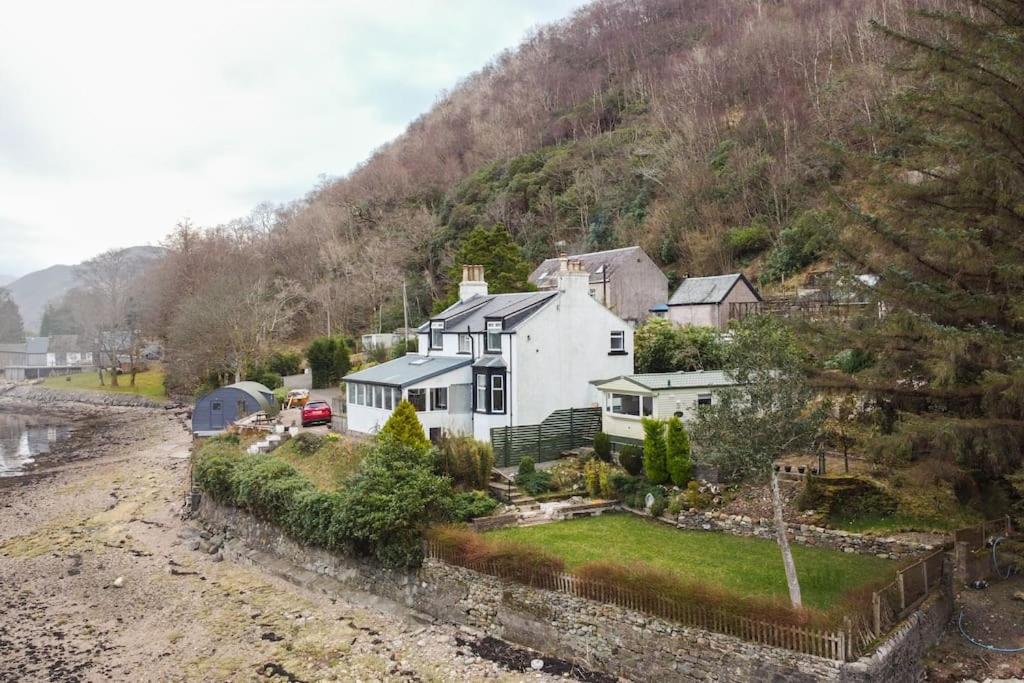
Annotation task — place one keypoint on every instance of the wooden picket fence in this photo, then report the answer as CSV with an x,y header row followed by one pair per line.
x,y
560,431
834,644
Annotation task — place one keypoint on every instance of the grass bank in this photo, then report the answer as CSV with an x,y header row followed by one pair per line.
x,y
747,566
149,383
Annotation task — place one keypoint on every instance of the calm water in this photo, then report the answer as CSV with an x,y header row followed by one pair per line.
x,y
23,437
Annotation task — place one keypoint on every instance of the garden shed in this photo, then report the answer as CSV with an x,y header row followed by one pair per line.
x,y
216,411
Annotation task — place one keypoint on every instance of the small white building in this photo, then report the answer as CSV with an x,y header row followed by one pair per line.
x,y
628,399
704,301
498,360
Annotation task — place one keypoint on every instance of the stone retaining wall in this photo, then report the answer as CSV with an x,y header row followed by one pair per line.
x,y
804,534
600,636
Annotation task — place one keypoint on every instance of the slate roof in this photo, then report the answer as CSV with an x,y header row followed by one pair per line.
x,y
707,290
408,370
676,380
599,264
473,313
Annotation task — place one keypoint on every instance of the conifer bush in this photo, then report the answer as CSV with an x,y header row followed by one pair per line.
x,y
677,458
403,427
603,446
631,459
654,451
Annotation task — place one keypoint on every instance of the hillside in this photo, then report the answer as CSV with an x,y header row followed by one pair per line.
x,y
33,291
700,130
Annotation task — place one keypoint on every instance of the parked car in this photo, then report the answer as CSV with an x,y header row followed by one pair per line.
x,y
296,398
316,412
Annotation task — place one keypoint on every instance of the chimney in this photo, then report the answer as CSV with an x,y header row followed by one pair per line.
x,y
473,283
572,278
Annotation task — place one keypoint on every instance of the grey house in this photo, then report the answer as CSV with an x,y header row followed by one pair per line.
x,y
217,410
625,280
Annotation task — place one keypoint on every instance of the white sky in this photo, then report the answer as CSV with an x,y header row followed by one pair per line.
x,y
119,119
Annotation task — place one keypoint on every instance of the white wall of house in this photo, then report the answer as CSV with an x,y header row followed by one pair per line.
x,y
369,419
559,350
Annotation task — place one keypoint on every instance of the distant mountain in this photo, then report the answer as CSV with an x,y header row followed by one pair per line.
x,y
4,279
33,291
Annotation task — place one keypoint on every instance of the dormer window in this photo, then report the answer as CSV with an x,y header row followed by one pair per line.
x,y
493,342
437,335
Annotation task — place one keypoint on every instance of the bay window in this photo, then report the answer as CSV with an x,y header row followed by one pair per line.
x,y
490,391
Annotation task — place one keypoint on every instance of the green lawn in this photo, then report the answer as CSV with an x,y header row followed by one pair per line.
x,y
746,565
328,467
897,522
149,383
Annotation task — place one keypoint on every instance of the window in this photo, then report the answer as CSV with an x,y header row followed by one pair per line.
x,y
494,336
378,397
436,335
465,344
350,392
481,393
618,342
216,405
389,398
703,400
242,409
627,404
497,393
361,394
396,396
439,398
418,399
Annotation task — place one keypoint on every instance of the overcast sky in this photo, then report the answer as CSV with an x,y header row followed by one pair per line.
x,y
117,120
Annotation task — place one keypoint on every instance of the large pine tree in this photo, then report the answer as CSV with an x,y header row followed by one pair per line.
x,y
939,217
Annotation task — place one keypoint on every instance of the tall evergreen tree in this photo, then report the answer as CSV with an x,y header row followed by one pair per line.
x,y
12,330
940,220
505,267
655,467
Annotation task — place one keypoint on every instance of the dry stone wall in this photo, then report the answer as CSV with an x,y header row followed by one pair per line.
x,y
622,642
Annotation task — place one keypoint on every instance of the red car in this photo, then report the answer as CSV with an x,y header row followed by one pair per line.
x,y
316,413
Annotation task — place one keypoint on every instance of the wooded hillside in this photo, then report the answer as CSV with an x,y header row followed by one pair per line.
x,y
703,130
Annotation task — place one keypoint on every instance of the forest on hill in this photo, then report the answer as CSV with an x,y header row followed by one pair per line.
x,y
705,131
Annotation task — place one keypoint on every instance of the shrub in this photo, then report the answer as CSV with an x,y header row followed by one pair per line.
x,y
285,362
603,446
308,443
212,472
404,428
631,460
658,506
597,475
526,465
507,559
654,451
386,506
567,475
535,483
675,506
328,361
851,361
677,457
693,498
470,505
748,240
467,461
265,486
264,375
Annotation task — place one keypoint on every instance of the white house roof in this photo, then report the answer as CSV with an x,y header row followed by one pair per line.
x,y
707,290
674,380
408,370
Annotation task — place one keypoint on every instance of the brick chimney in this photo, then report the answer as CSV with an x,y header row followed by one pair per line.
x,y
572,278
473,283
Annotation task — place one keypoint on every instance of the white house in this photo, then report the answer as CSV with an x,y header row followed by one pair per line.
x,y
497,360
705,301
629,398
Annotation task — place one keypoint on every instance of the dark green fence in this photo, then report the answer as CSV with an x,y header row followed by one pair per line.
x,y
560,431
